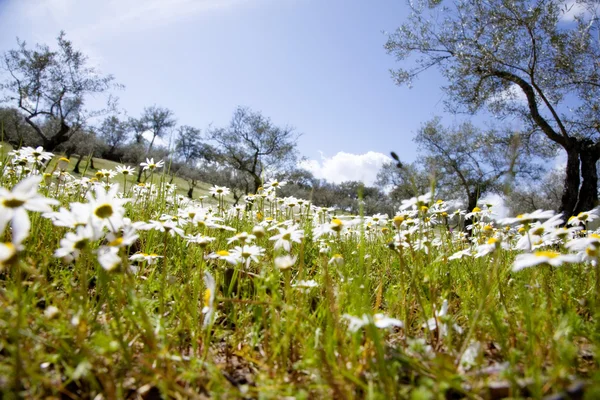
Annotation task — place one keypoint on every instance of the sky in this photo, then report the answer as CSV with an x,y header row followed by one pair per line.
x,y
316,65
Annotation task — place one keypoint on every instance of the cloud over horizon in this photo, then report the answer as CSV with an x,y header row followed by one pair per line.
x,y
347,167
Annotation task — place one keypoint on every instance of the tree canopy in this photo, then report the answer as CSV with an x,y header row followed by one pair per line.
x,y
51,85
252,143
472,162
520,58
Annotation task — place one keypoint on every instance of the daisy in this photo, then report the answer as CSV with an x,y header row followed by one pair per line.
x,y
309,284
15,204
106,209
337,260
286,236
416,202
108,257
552,258
383,322
377,220
231,258
243,237
528,217
78,214
72,244
149,258
248,253
209,299
163,226
219,191
63,163
355,323
125,170
460,254
440,319
379,320
127,236
285,262
583,217
151,165
258,231
534,236
200,240
490,246
107,173
274,183
8,255
37,155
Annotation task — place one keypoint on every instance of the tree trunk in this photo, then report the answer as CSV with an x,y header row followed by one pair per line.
x,y
76,169
58,139
92,163
571,190
257,182
588,192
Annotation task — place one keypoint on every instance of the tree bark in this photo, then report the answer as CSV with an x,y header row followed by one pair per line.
x,y
257,182
572,180
76,169
58,139
588,192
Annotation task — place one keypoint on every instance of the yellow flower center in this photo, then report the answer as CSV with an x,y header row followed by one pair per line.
x,y
591,251
538,231
492,240
117,242
207,294
80,244
546,253
13,203
104,211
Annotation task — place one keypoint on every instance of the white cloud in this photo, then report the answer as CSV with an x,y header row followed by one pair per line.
x,y
513,94
347,167
573,9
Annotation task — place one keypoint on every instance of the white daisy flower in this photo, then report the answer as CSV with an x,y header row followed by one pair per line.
x,y
15,204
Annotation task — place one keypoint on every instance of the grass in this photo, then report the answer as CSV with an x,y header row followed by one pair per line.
x,y
149,329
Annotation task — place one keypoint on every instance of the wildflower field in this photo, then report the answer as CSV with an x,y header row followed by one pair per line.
x,y
110,289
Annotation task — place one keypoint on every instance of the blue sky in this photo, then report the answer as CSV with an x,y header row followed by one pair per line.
x,y
317,65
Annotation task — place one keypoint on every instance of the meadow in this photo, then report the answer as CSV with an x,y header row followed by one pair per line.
x,y
113,289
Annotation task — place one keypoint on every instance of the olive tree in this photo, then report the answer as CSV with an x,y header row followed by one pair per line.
x,y
114,132
157,120
520,58
252,144
470,162
51,85
403,181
